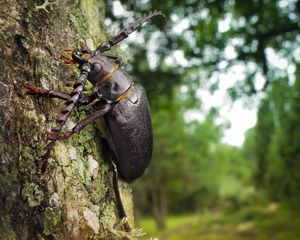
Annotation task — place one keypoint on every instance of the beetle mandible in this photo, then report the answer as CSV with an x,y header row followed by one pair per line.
x,y
121,104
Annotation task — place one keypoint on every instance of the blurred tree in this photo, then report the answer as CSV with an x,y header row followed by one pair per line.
x,y
283,175
264,130
201,142
218,35
274,141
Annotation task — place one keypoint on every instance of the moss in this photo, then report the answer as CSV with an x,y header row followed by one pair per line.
x,y
93,11
28,16
62,155
69,157
66,89
52,219
46,74
84,144
77,20
9,183
87,18
33,194
33,116
79,24
88,86
108,217
6,229
83,170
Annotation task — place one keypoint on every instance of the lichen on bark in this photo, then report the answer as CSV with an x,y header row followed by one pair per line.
x,y
74,198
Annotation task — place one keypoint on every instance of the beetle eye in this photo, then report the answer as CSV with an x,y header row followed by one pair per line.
x,y
97,67
115,88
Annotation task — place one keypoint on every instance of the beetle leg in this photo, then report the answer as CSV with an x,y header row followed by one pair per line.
x,y
92,118
80,125
53,135
121,209
42,92
108,156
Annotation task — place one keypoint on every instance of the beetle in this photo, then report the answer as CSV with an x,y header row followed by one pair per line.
x,y
120,105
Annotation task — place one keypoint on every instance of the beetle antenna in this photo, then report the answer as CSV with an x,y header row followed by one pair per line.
x,y
77,89
130,29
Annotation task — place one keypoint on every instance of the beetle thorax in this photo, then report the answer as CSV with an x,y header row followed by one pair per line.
x,y
109,79
101,68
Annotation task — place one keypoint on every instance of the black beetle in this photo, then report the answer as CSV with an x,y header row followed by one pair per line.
x,y
121,104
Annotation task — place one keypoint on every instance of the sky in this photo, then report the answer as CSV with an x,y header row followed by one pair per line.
x,y
239,117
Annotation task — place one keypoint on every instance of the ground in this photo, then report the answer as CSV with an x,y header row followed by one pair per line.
x,y
250,223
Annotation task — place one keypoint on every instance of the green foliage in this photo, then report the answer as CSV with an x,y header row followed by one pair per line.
x,y
274,142
189,158
192,170
222,177
285,172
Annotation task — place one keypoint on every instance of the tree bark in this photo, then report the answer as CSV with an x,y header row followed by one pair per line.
x,y
74,199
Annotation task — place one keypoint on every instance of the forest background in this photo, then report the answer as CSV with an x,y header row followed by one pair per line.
x,y
239,52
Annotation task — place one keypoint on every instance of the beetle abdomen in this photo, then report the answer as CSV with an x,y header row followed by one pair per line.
x,y
129,126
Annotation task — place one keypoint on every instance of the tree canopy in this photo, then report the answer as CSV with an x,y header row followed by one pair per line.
x,y
219,35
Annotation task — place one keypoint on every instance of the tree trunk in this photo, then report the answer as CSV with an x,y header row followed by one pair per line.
x,y
74,199
158,202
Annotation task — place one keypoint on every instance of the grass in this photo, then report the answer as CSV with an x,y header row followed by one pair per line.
x,y
251,223
173,223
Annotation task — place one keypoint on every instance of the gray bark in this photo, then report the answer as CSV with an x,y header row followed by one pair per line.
x,y
74,199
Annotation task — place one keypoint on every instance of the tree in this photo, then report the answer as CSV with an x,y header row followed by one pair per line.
x,y
274,142
264,133
74,198
284,161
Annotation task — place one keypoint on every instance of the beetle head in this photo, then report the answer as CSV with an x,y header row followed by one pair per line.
x,y
81,56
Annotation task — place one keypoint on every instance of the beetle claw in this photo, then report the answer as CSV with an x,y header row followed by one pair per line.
x,y
32,90
66,56
53,135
